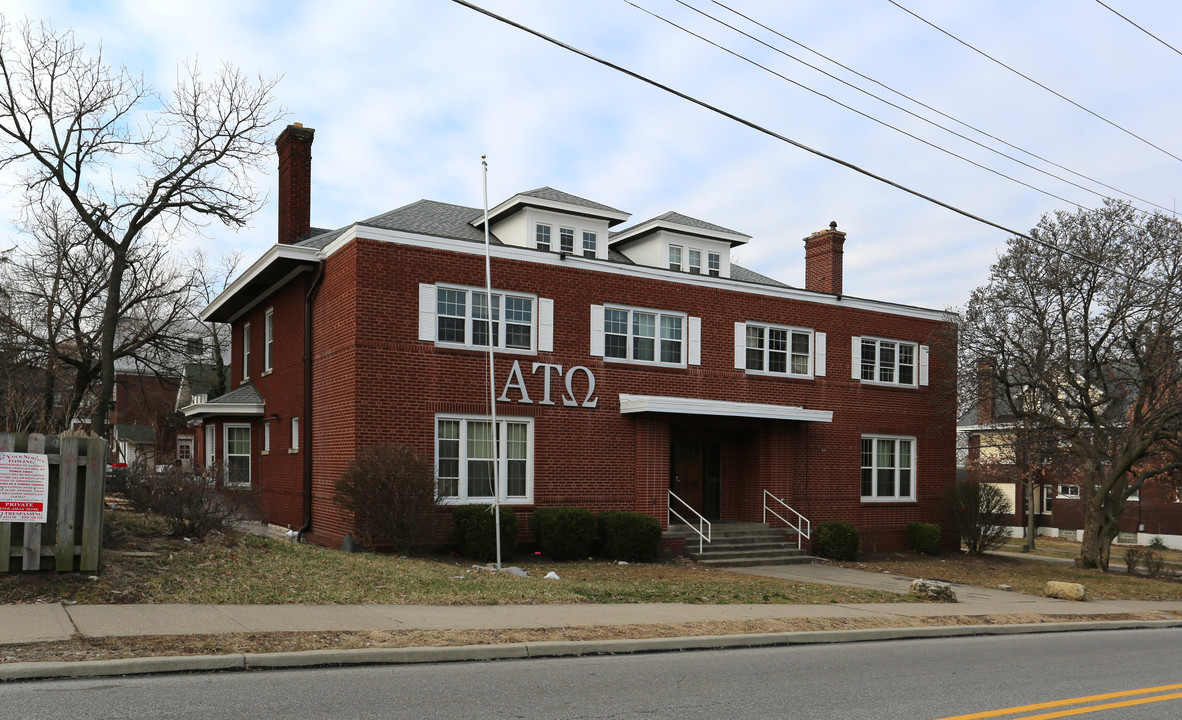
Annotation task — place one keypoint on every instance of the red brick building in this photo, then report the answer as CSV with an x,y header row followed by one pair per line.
x,y
630,363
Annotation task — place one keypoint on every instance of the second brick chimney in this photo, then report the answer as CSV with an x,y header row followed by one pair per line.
x,y
294,147
822,260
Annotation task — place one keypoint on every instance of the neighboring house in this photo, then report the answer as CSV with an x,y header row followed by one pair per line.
x,y
987,439
141,417
629,364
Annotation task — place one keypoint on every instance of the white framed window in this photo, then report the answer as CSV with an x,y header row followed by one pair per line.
x,y
695,261
566,240
211,453
714,263
648,336
464,459
268,339
1069,492
236,453
245,351
590,242
266,437
888,468
542,237
779,350
675,257
295,435
463,317
889,362
1047,496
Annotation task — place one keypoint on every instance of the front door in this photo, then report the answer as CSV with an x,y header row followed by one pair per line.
x,y
694,477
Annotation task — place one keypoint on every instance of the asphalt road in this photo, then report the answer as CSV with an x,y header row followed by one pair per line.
x,y
933,679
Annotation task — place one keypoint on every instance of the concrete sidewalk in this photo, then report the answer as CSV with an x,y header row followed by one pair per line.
x,y
59,622
49,622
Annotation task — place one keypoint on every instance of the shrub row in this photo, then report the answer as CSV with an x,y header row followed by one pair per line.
x,y
563,533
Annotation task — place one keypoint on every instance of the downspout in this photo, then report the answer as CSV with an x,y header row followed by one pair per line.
x,y
308,300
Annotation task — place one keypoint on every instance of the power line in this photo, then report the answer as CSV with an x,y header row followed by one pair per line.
x,y
771,133
1032,80
922,104
1122,17
887,102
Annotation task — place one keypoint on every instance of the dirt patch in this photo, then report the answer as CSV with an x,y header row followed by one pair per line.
x,y
173,645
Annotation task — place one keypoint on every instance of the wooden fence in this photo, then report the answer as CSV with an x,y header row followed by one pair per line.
x,y
77,475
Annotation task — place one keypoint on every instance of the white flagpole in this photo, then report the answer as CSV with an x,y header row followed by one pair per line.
x,y
492,388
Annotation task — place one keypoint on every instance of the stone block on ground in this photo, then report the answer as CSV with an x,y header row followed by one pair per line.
x,y
1066,591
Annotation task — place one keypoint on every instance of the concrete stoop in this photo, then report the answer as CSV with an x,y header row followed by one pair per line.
x,y
742,545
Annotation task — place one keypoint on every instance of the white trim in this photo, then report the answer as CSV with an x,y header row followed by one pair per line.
x,y
856,357
245,351
295,435
499,454
269,339
226,427
910,498
212,408
597,342
545,324
427,312
923,364
511,252
683,343
818,354
724,408
470,320
734,238
494,215
915,362
275,252
695,340
766,350
266,438
740,346
211,449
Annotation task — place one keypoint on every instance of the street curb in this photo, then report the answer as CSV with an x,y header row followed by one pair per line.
x,y
467,653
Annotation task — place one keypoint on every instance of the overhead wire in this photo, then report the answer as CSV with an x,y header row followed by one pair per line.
x,y
926,106
887,102
1126,19
1020,74
783,138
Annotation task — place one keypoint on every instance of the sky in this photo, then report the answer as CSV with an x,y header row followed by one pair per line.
x,y
406,95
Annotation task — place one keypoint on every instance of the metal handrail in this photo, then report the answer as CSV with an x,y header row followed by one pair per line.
x,y
702,536
803,528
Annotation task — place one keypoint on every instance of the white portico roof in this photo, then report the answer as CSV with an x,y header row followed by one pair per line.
x,y
724,408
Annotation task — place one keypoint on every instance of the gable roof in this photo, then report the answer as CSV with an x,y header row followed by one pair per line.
x,y
681,224
550,199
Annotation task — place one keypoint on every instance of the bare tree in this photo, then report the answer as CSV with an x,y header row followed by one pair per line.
x,y
1085,348
209,280
76,129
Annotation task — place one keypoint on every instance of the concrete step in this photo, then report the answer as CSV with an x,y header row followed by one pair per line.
x,y
754,562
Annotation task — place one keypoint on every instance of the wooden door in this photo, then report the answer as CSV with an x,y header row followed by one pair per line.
x,y
686,475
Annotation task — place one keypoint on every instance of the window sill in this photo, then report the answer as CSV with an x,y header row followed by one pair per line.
x,y
292,451
889,501
484,349
898,386
781,376
646,363
267,372
264,452
516,502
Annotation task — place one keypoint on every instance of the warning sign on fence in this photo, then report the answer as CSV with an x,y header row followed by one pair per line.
x,y
24,487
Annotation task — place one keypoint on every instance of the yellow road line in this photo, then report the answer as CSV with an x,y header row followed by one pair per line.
x,y
1096,708
1071,701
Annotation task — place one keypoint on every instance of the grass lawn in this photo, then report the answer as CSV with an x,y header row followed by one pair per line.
x,y
141,566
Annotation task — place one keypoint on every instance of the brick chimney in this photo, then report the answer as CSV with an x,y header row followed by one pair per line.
x,y
822,260
294,147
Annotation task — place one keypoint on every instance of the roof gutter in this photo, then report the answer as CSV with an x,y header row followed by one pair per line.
x,y
308,300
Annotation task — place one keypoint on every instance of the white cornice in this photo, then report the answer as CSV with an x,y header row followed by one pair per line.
x,y
724,408
653,225
273,253
569,208
512,252
206,409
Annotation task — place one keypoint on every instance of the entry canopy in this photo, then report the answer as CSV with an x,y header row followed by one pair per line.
x,y
724,408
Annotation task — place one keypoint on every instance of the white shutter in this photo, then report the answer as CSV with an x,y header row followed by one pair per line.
x,y
695,341
923,364
740,346
819,354
856,358
545,325
426,312
597,330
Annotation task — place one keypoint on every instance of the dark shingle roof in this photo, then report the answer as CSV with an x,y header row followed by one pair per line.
x,y
742,274
549,193
247,394
429,217
676,217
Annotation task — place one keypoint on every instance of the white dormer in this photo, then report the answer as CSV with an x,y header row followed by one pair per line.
x,y
551,220
680,243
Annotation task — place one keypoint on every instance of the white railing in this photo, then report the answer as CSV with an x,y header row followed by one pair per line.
x,y
802,526
703,528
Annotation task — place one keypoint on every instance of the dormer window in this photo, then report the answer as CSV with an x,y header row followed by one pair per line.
x,y
589,242
715,261
566,239
675,257
695,261
542,237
